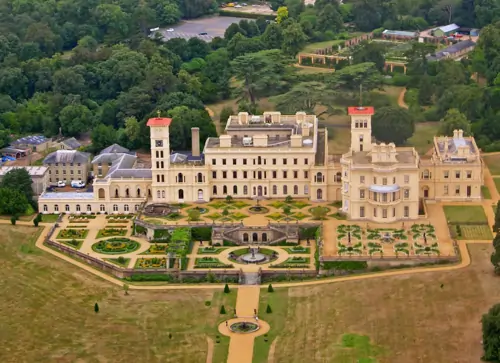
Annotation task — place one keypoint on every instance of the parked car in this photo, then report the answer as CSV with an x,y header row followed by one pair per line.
x,y
203,33
238,6
50,189
77,184
170,29
61,183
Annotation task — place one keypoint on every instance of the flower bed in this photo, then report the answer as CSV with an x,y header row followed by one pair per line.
x,y
298,204
120,216
76,244
238,216
201,210
374,247
401,248
210,250
418,230
343,230
111,232
298,250
428,250
151,263
81,216
115,246
120,261
300,216
112,221
72,233
276,216
350,250
210,262
156,249
80,221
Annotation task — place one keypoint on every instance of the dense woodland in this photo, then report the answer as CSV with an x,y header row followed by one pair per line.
x,y
83,66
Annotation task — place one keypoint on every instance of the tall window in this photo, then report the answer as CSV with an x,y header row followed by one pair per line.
x,y
66,207
275,189
89,208
45,208
295,189
115,208
125,207
214,190
102,208
306,189
245,190
406,211
285,190
362,212
224,189
78,207
56,208
235,189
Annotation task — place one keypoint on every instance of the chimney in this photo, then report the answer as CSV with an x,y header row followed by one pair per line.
x,y
455,134
460,134
195,141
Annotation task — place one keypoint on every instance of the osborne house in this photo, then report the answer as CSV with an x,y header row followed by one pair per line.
x,y
273,156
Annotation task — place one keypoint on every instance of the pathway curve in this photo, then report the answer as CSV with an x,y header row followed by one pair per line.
x,y
490,184
210,350
401,99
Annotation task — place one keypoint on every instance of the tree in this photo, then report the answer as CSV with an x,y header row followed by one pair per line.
x,y
273,36
225,113
19,180
132,128
295,7
75,119
222,310
454,120
225,212
304,96
491,332
232,30
287,210
329,18
68,80
495,258
294,39
350,78
229,199
425,91
496,226
370,52
102,136
96,308
194,215
13,220
226,289
270,288
393,124
268,309
319,213
282,14
125,289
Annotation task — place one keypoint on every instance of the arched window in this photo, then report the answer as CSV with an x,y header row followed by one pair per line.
x,y
200,194
426,174
158,194
125,207
264,237
285,189
149,193
306,189
338,177
89,208
214,190
116,193
245,237
138,192
245,190
136,207
56,208
66,207
255,237
180,178
295,189
78,207
181,194
319,177
115,208
101,193
275,189
200,178
319,194
224,189
259,160
127,193
102,208
235,189
254,191
163,194
45,208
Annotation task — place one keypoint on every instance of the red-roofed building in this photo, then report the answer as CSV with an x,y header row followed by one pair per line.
x,y
159,122
360,111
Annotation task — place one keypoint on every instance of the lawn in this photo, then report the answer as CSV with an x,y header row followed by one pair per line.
x,y
50,218
493,163
51,315
310,48
485,192
497,183
428,317
423,136
465,214
476,232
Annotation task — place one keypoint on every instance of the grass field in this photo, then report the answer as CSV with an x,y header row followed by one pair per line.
x,y
493,163
465,214
423,137
476,232
428,317
497,183
485,192
48,307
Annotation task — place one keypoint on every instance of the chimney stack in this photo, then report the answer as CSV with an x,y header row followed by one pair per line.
x,y
195,141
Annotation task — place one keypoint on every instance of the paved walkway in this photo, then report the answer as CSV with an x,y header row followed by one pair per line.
x,y
401,99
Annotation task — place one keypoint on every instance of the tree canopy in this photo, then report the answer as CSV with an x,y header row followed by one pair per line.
x,y
393,124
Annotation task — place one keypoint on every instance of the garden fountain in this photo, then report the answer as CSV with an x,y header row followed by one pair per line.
x,y
244,327
253,257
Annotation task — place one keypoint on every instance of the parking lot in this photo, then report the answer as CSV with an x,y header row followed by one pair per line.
x,y
214,26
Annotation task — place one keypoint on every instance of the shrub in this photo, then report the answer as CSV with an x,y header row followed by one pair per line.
x,y
491,330
96,307
268,309
222,309
13,220
208,303
270,288
35,222
121,259
201,233
226,289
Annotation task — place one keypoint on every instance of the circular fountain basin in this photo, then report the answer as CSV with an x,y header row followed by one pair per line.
x,y
255,258
244,327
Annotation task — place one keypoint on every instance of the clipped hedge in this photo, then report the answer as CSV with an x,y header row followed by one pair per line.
x,y
201,233
151,277
345,265
241,14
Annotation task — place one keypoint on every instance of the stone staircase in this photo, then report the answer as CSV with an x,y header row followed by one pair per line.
x,y
250,278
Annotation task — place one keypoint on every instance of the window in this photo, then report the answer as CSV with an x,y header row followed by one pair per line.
x,y
234,161
158,194
245,175
295,174
394,180
157,165
426,174
223,161
102,208
214,162
136,207
224,175
89,208
319,177
295,189
275,189
214,190
244,161
64,172
362,212
159,143
306,161
245,190
162,165
163,194
384,181
306,174
275,174
457,174
306,189
78,208
374,212
57,172
71,172
66,207
45,208
406,212
285,174
235,189
407,179
457,190
57,164
394,212
259,160
274,161
199,178
56,208
125,207
362,179
64,164
79,172
361,194
235,175
406,193
285,190
284,161
214,175
157,154
161,154
446,174
180,194
469,174
224,189
384,197
115,208
384,213
295,161
374,180
445,192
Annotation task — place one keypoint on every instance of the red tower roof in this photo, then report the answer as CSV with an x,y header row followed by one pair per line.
x,y
360,110
159,121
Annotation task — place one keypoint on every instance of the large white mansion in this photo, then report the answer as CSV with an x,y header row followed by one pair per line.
x,y
274,156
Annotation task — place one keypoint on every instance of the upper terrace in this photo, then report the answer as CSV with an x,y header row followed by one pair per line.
x,y
458,149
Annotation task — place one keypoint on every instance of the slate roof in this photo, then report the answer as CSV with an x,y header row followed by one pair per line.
x,y
66,156
448,28
115,148
71,143
452,49
30,140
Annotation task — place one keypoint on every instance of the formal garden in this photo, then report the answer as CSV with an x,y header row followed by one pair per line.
x,y
70,233
467,222
115,246
210,262
151,263
111,232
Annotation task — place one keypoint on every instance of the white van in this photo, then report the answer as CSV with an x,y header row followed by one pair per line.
x,y
77,184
